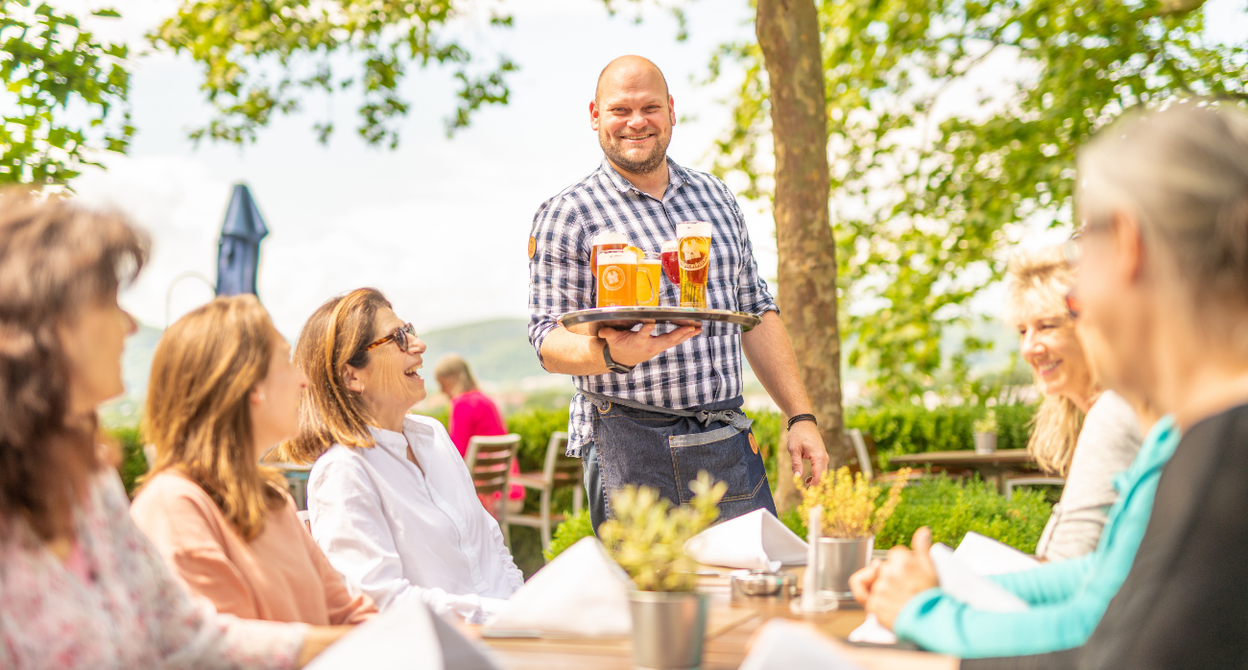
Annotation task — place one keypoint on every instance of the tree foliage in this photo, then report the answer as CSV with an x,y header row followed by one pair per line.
x,y
48,66
925,194
261,58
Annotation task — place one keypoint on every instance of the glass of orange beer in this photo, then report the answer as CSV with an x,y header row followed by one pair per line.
x,y
605,241
649,280
617,278
693,251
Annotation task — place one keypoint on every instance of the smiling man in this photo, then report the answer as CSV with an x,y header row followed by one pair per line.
x,y
657,405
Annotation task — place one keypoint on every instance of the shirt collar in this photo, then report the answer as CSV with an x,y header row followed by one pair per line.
x,y
675,176
397,443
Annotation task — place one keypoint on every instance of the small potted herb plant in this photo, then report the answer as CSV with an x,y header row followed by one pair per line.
x,y
853,513
647,538
985,429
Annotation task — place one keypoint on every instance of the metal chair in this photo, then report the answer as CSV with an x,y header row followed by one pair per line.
x,y
489,464
1031,480
854,435
559,470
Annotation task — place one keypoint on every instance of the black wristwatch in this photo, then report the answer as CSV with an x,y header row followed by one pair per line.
x,y
611,364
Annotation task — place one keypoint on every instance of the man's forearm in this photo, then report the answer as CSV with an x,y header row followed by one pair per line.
x,y
770,353
567,353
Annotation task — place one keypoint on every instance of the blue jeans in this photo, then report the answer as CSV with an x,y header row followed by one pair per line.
x,y
666,451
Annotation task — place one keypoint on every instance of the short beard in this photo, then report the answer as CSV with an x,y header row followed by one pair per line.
x,y
645,166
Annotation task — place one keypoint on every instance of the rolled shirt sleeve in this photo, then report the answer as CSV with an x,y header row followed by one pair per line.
x,y
560,280
752,294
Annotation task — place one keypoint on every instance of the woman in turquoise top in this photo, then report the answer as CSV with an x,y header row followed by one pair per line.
x,y
1067,598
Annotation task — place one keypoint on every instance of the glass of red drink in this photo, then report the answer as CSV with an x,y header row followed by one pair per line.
x,y
671,264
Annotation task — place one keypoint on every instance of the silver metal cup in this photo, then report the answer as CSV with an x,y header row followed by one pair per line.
x,y
985,443
840,557
669,629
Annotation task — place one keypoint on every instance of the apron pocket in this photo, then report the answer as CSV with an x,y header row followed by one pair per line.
x,y
726,454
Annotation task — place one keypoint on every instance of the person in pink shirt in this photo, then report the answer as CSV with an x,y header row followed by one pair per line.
x,y
223,391
472,413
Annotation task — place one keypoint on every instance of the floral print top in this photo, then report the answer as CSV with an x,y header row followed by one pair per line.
x,y
130,613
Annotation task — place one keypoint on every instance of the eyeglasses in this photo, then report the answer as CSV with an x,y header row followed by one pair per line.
x,y
1073,305
399,336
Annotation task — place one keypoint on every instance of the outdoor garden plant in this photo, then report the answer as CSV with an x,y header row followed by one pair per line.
x,y
647,536
851,504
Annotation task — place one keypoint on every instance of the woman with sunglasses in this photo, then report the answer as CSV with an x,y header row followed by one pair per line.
x,y
80,586
1081,432
222,391
389,498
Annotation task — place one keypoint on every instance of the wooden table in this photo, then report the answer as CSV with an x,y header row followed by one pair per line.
x,y
991,467
728,631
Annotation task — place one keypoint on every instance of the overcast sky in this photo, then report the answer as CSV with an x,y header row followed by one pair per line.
x,y
440,225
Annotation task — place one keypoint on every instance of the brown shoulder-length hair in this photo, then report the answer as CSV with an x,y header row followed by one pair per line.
x,y
1037,285
55,259
198,409
335,336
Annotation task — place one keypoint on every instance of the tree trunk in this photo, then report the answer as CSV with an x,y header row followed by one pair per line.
x,y
788,33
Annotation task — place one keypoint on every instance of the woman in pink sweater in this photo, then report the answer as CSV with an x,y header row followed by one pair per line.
x,y
223,390
472,413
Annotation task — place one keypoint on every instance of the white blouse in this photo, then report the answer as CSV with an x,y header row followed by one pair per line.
x,y
395,532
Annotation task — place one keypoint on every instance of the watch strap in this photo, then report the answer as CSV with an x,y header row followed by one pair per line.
x,y
611,364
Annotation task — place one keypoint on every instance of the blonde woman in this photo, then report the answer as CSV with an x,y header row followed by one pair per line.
x,y
1081,432
222,391
390,500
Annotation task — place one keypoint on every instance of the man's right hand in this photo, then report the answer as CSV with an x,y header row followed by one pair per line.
x,y
631,348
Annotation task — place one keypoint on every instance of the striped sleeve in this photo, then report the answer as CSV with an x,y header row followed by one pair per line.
x,y
560,280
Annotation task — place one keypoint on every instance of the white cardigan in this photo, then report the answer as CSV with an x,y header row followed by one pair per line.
x,y
395,532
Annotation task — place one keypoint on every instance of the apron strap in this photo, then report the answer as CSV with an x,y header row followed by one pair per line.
x,y
705,417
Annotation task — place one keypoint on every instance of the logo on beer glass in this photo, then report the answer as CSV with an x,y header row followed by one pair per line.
x,y
612,278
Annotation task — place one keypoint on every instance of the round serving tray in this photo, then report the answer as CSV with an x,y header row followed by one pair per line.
x,y
591,320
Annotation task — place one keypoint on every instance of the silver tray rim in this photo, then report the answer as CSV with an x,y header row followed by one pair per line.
x,y
658,315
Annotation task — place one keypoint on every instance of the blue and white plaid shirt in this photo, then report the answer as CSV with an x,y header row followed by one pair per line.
x,y
704,369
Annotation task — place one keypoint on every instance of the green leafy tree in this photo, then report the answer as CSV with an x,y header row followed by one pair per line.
x,y
48,65
923,197
261,58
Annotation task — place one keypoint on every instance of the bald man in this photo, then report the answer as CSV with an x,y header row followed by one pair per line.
x,y
657,405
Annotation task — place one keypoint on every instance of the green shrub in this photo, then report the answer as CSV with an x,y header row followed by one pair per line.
x,y
766,430
133,462
952,508
568,533
913,429
535,426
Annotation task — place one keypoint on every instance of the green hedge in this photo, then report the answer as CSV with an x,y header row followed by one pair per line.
x,y
133,462
952,508
913,429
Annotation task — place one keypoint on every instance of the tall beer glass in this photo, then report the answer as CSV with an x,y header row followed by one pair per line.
x,y
617,279
694,253
604,241
649,280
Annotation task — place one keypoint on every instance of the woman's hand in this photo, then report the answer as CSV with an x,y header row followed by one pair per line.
x,y
862,581
903,576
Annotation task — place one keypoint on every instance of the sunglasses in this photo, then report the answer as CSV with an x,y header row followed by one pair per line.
x,y
399,336
1073,306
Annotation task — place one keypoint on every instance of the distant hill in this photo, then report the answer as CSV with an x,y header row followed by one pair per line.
x,y
497,350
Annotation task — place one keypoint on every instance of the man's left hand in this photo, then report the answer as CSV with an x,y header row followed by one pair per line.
x,y
806,442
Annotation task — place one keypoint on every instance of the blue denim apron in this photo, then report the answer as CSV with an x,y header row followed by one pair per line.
x,y
665,449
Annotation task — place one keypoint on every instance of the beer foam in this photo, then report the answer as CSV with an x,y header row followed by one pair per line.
x,y
670,246
609,237
693,229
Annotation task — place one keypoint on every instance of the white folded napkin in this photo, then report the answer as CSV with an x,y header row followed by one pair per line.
x,y
582,592
404,636
755,541
872,631
782,645
962,584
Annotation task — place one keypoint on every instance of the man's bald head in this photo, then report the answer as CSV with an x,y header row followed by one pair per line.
x,y
628,71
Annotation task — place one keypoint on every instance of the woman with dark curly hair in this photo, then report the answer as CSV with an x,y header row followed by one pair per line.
x,y
80,586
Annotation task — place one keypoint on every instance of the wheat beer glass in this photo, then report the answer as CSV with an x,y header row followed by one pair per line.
x,y
694,253
649,280
605,241
617,278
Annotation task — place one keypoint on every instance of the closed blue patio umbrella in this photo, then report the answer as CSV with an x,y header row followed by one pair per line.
x,y
238,253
